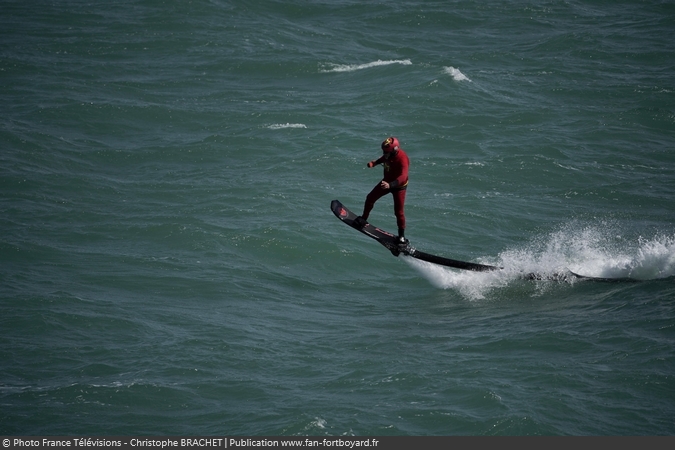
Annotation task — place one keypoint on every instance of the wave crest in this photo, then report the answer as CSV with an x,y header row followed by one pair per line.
x,y
279,126
456,74
330,67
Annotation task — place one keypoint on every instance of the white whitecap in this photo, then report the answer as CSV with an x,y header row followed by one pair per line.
x,y
353,67
456,74
279,126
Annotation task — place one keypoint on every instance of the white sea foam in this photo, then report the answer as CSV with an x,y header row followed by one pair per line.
x,y
472,285
330,67
278,126
590,251
455,74
598,251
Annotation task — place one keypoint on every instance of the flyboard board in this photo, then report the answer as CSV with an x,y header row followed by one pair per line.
x,y
390,242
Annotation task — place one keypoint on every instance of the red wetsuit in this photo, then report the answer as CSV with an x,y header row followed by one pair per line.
x,y
396,174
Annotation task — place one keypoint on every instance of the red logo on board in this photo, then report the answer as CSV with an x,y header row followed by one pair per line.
x,y
343,213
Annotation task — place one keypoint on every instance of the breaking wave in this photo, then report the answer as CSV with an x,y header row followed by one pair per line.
x,y
279,126
456,74
330,67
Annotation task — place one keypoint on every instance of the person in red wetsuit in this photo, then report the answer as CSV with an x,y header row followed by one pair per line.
x,y
396,164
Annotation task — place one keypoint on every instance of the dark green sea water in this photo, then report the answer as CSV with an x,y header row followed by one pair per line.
x,y
169,263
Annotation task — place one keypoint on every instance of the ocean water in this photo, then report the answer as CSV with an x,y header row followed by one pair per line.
x,y
169,263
